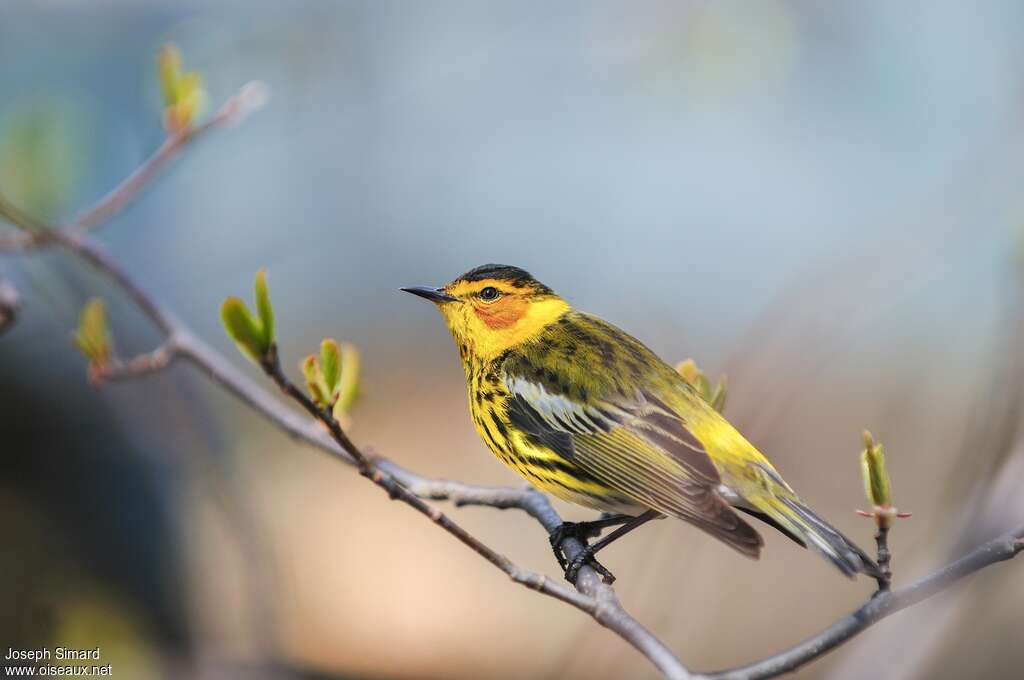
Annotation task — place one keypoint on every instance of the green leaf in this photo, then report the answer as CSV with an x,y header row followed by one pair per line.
x,y
718,395
253,337
264,309
93,334
688,369
314,380
183,93
168,62
330,366
243,329
348,387
876,477
702,386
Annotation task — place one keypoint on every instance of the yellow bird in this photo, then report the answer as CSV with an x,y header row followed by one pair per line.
x,y
586,412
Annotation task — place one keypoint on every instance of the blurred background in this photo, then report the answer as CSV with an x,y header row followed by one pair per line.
x,y
819,199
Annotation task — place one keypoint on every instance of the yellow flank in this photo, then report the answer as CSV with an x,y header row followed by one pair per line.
x,y
586,412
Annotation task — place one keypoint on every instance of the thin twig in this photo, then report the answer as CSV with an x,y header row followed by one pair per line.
x,y
592,597
248,99
880,606
884,557
609,612
136,367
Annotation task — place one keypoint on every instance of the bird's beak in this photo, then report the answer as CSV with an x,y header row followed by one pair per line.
x,y
432,294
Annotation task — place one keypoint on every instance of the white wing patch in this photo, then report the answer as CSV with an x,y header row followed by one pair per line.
x,y
558,411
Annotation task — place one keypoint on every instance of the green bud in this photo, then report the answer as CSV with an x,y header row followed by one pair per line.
x,y
701,385
718,395
253,337
183,93
876,478
348,386
330,366
168,62
688,369
243,329
93,334
264,308
314,380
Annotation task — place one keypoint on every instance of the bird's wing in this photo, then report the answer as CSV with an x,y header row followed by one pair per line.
x,y
636,445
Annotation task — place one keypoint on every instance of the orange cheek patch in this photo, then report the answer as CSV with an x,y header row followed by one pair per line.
x,y
502,313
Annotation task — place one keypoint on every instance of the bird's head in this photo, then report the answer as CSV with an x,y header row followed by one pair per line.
x,y
494,307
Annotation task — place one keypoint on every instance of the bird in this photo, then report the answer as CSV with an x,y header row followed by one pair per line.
x,y
587,413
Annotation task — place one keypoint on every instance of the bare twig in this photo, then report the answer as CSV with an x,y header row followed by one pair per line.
x,y
136,367
882,605
884,557
248,99
591,596
609,611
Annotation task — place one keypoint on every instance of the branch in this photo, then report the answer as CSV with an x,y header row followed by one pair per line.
x,y
250,98
884,557
882,605
592,596
136,367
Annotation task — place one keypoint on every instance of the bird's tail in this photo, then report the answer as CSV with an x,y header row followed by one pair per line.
x,y
789,514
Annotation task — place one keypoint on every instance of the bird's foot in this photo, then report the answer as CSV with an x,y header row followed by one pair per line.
x,y
583,530
578,530
586,556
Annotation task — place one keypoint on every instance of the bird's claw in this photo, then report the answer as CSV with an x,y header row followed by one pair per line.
x,y
577,530
586,556
580,531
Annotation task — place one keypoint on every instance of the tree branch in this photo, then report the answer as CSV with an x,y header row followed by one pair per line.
x,y
591,595
235,109
882,605
137,366
884,557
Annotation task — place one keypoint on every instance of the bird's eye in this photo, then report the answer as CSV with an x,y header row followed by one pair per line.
x,y
489,293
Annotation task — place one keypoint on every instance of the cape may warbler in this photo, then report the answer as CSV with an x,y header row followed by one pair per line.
x,y
586,412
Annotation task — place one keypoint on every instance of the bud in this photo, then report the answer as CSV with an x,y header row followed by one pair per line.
x,y
688,369
717,400
93,334
183,93
314,380
715,396
243,329
330,367
253,337
333,378
168,65
264,308
876,477
348,386
876,484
